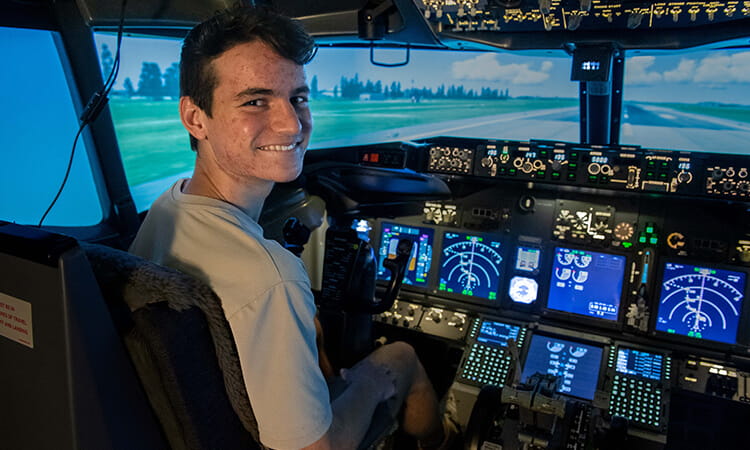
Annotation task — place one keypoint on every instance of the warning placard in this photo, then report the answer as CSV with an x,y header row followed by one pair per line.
x,y
15,320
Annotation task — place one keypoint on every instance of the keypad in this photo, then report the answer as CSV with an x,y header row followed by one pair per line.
x,y
486,365
638,400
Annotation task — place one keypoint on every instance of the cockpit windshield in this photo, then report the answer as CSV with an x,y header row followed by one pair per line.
x,y
696,100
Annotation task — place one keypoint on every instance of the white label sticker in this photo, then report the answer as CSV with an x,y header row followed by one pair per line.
x,y
15,320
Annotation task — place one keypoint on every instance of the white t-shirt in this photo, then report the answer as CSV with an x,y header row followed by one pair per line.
x,y
266,296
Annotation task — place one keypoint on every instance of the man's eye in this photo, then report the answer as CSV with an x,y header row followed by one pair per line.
x,y
255,102
299,100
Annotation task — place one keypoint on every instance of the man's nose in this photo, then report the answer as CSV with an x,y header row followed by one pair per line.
x,y
285,119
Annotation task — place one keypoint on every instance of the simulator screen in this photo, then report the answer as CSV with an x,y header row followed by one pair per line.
x,y
586,283
701,302
576,364
497,333
421,252
639,363
470,265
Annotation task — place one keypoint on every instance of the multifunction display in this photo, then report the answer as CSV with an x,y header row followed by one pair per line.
x,y
586,283
421,254
577,365
701,302
470,265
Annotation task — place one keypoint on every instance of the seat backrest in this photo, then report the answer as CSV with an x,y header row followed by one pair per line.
x,y
66,381
183,349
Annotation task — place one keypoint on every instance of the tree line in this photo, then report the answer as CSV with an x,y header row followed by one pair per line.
x,y
154,84
353,88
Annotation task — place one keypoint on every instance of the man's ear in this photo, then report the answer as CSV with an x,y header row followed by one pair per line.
x,y
193,118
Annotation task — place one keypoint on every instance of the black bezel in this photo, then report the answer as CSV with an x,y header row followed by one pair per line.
x,y
742,339
580,318
475,300
575,337
379,240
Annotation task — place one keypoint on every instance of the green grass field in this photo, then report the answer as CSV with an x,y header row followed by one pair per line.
x,y
737,113
154,145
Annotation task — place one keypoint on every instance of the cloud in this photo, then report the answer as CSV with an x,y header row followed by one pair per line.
x,y
684,71
724,68
487,67
637,71
715,69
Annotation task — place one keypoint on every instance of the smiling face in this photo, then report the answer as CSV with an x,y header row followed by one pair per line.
x,y
260,123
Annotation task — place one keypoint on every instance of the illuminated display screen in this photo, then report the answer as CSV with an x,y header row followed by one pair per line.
x,y
523,290
527,259
421,252
639,363
586,283
470,265
497,333
576,364
701,302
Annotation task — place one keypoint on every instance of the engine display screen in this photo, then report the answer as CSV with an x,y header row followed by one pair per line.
x,y
497,333
470,265
701,302
586,283
577,365
639,363
421,253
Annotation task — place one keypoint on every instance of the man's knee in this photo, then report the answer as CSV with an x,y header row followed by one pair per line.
x,y
399,356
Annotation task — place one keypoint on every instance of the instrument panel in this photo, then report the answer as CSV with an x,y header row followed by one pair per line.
x,y
622,271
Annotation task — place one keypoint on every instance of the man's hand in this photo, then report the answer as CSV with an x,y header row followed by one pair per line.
x,y
376,378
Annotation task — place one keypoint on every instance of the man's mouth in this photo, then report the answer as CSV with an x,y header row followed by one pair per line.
x,y
279,148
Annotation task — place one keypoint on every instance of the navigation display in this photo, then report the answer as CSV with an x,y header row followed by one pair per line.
x,y
701,302
576,364
639,363
497,333
470,265
421,253
586,283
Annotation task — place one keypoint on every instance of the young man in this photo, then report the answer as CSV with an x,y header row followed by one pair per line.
x,y
244,101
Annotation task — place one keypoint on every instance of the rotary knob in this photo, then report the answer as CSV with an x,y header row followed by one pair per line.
x,y
458,321
684,177
623,231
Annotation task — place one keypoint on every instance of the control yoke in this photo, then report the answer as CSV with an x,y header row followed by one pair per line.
x,y
397,266
349,273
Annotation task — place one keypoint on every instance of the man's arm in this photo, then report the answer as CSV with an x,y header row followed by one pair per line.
x,y
325,364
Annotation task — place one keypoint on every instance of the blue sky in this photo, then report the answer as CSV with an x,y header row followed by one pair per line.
x,y
688,76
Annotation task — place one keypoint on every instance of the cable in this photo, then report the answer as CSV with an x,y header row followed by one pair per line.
x,y
96,103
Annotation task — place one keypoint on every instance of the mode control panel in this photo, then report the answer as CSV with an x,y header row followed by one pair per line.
x,y
614,167
451,159
728,180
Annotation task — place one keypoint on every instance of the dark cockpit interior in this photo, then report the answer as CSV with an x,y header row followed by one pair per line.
x,y
567,251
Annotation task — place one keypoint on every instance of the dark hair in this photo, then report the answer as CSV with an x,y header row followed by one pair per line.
x,y
236,25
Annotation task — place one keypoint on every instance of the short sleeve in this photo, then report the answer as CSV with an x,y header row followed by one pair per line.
x,y
275,337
